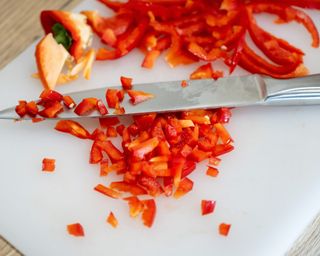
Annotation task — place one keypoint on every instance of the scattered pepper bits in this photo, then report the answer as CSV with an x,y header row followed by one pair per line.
x,y
75,229
224,229
48,165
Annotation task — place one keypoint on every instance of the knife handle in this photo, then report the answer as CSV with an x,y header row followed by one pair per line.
x,y
293,91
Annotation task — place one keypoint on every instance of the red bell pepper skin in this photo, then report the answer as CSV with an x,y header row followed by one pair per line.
x,y
21,108
75,229
107,191
149,212
108,121
224,229
73,128
112,98
287,14
127,187
52,110
32,109
126,82
48,165
207,206
135,206
184,187
112,220
137,97
50,95
86,106
50,17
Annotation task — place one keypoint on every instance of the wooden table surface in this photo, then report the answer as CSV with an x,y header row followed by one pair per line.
x,y
20,26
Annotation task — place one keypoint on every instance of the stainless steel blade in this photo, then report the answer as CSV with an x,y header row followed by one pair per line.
x,y
170,96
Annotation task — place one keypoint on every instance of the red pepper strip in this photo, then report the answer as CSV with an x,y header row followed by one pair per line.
x,y
48,165
32,109
139,96
184,187
104,167
143,148
95,154
125,43
149,212
75,229
108,121
233,61
135,206
120,95
99,135
112,220
86,106
113,153
207,206
21,108
222,149
216,20
50,95
51,111
127,187
176,165
287,14
68,102
107,191
66,19
150,59
270,46
72,127
201,53
312,4
252,62
126,82
213,172
223,133
224,229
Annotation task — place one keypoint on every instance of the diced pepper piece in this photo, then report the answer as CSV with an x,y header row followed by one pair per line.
x,y
75,229
144,121
224,229
184,83
50,95
32,108
108,121
139,96
151,185
126,82
207,206
127,187
48,165
213,172
112,220
86,106
143,148
107,191
68,102
149,212
113,153
111,131
101,108
104,167
52,110
73,128
112,98
120,129
135,206
21,108
95,154
184,187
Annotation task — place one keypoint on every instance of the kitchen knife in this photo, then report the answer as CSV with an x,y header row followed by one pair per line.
x,y
205,94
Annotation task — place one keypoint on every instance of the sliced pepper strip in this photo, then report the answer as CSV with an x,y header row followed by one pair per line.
x,y
73,128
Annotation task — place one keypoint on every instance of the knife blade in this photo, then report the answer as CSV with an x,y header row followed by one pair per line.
x,y
205,94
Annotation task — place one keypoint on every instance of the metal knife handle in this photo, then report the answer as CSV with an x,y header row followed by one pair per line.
x,y
294,91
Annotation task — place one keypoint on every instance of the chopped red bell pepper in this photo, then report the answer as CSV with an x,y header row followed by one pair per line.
x,y
101,108
48,165
108,121
207,206
184,187
21,108
184,83
112,98
32,108
95,154
111,131
68,102
213,172
135,206
149,212
112,220
50,95
73,128
52,110
104,167
126,82
75,229
107,191
144,121
86,106
139,96
206,71
224,229
127,187
143,148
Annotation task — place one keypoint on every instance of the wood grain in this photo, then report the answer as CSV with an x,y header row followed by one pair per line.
x,y
19,27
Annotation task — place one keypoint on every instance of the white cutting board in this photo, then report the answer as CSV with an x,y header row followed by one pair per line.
x,y
268,187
